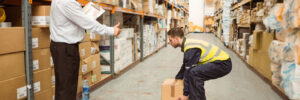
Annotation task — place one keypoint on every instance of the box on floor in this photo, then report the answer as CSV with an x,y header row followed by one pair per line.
x,y
171,89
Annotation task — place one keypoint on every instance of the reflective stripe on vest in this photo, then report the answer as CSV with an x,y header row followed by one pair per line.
x,y
209,53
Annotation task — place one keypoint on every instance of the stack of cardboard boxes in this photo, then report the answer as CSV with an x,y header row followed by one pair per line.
x,y
89,60
13,80
42,60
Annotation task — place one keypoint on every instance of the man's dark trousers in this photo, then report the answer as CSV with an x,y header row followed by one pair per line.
x,y
195,77
66,63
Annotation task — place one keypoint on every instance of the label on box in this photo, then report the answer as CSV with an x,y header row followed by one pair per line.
x,y
94,78
93,50
51,62
35,64
84,68
21,92
40,20
35,42
53,80
92,36
94,64
82,52
37,87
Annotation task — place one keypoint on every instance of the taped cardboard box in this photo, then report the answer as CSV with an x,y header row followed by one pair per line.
x,y
91,37
90,63
85,49
12,40
41,15
45,95
171,89
12,65
15,88
41,59
40,38
96,75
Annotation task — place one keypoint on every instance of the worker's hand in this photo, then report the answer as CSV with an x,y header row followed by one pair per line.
x,y
117,30
183,97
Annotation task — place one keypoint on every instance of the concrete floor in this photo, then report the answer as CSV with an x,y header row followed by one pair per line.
x,y
143,82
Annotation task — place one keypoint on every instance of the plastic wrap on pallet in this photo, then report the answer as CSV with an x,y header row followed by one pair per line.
x,y
272,21
226,20
291,14
275,51
290,80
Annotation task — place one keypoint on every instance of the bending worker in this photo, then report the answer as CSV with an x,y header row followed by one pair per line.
x,y
202,61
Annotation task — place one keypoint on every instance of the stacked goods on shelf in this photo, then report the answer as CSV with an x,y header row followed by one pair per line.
x,y
284,52
243,17
137,5
123,50
257,13
149,39
13,80
149,6
89,59
110,2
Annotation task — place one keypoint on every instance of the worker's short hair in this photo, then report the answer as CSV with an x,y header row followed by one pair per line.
x,y
176,32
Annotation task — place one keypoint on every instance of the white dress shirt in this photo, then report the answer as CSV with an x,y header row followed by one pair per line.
x,y
68,22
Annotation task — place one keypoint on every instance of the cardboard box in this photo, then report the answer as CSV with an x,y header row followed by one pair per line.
x,y
257,37
41,59
91,37
12,40
40,38
96,75
41,15
43,80
45,95
12,65
90,63
85,49
15,88
171,89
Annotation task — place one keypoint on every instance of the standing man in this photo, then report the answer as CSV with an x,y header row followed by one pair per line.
x,y
202,61
67,26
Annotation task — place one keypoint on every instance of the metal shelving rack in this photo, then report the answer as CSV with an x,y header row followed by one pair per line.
x,y
26,23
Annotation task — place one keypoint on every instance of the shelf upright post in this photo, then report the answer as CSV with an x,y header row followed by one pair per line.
x,y
142,33
26,23
112,45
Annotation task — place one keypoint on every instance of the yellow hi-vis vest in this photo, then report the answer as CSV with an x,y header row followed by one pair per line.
x,y
209,52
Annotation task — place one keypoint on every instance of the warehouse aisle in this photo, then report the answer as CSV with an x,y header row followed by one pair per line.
x,y
143,82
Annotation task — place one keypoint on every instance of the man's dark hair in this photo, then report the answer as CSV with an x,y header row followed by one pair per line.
x,y
176,32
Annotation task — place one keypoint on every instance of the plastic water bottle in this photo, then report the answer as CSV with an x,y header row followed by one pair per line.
x,y
85,89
